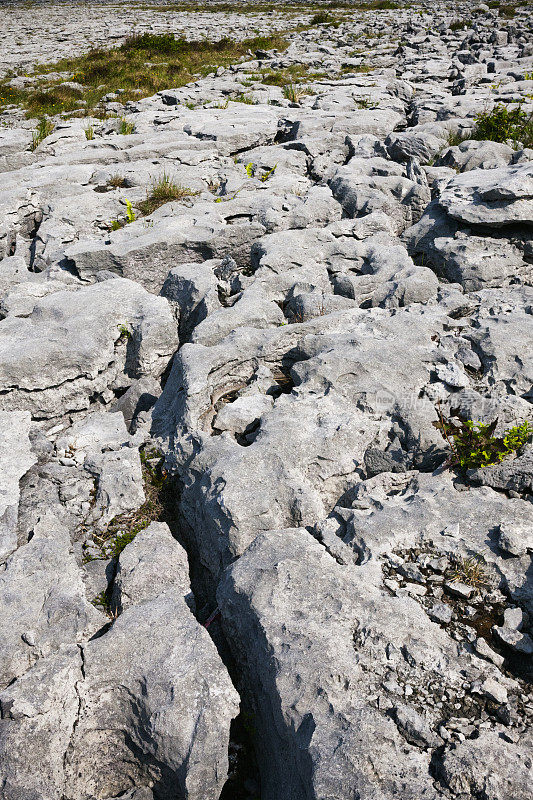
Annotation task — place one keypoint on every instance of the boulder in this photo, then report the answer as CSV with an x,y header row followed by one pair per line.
x,y
115,331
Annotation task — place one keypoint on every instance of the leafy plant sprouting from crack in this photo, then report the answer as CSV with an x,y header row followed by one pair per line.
x,y
116,224
474,445
124,330
251,171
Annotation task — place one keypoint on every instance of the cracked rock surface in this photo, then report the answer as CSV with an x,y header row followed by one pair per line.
x,y
238,558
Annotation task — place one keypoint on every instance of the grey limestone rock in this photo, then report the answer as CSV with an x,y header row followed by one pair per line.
x,y
155,707
149,565
43,600
115,331
16,458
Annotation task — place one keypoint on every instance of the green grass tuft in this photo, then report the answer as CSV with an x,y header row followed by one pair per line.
x,y
43,129
164,190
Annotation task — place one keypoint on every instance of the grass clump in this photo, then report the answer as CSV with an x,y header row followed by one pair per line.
x,y
43,129
294,93
125,127
455,139
89,133
247,99
322,18
469,571
459,24
116,182
164,190
473,444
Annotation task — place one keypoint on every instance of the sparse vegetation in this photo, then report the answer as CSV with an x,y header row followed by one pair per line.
x,y
164,190
141,66
130,214
124,331
43,129
126,127
248,99
89,132
322,18
123,529
116,182
265,174
459,24
455,139
469,571
294,93
474,445
504,124
102,601
129,217
507,11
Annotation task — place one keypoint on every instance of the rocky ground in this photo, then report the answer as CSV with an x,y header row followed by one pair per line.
x,y
237,557
35,32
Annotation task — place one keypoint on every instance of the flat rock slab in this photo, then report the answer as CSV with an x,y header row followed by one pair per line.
x,y
492,198
75,343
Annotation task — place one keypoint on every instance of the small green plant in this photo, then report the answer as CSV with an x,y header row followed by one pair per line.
x,y
503,124
164,190
528,76
43,129
251,171
125,127
130,214
474,445
470,571
117,224
101,601
124,331
89,133
267,174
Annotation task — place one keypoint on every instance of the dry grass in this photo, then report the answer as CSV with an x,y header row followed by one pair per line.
x,y
116,182
470,571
